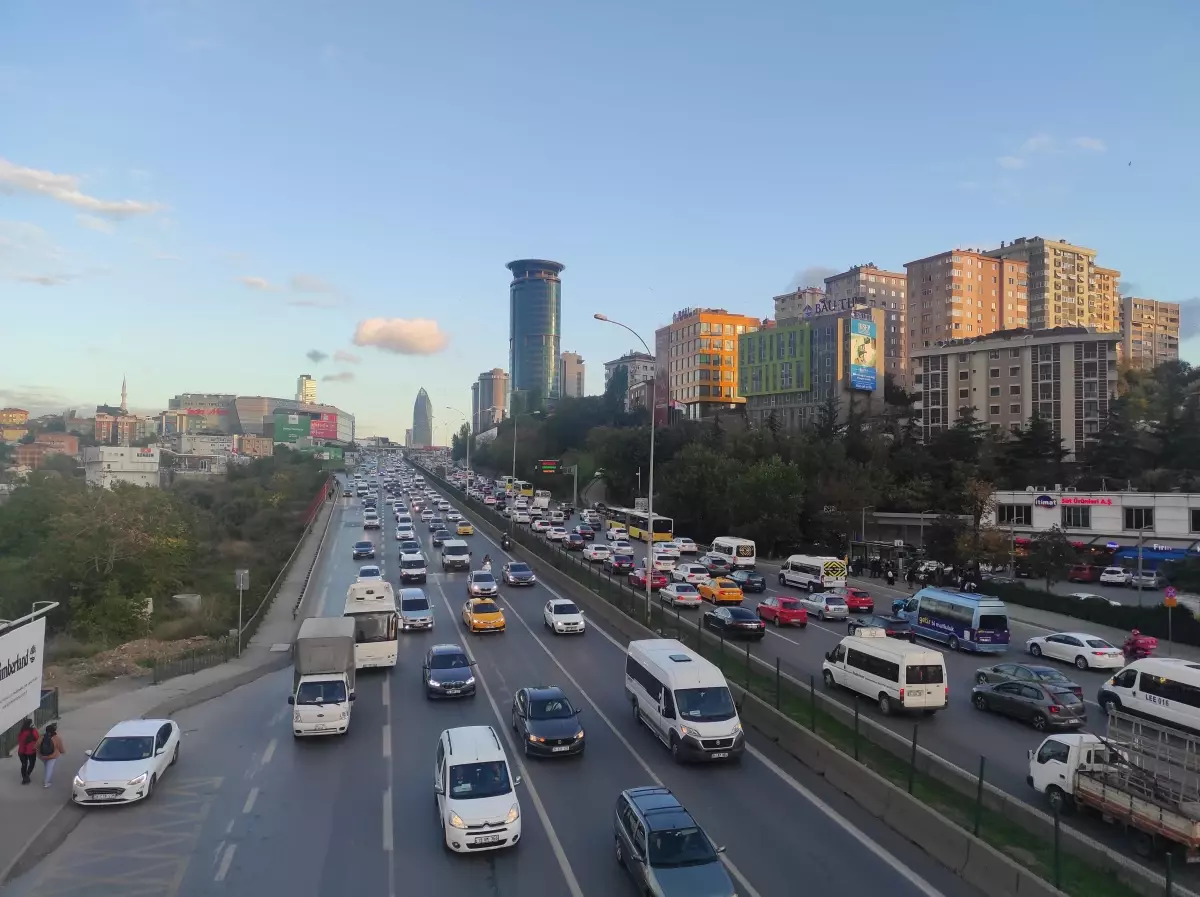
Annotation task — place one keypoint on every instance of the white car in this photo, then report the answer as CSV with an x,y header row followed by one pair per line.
x,y
1091,596
663,563
690,573
616,533
563,617
622,546
490,500
371,521
680,594
426,515
128,763
404,532
522,505
477,804
557,517
556,533
453,516
370,571
521,517
595,552
1115,576
686,545
541,526
1080,648
667,549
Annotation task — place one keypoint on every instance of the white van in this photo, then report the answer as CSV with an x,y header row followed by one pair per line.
x,y
684,700
740,553
1165,689
897,674
476,791
817,574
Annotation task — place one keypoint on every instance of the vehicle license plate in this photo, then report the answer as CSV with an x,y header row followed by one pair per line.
x,y
453,691
107,797
487,839
719,755
558,750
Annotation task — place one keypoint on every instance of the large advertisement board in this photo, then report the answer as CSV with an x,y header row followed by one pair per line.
x,y
291,427
21,652
864,352
323,426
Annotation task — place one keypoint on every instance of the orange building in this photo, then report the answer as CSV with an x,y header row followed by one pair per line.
x,y
13,417
696,358
964,294
63,443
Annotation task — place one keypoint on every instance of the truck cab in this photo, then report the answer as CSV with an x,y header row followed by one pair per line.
x,y
323,677
1053,765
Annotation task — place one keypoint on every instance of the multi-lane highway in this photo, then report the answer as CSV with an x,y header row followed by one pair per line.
x,y
250,811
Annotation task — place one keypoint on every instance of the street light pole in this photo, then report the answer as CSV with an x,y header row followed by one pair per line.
x,y
650,478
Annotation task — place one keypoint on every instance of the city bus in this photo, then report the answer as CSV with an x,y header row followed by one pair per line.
x,y
960,619
523,488
372,606
637,523
507,483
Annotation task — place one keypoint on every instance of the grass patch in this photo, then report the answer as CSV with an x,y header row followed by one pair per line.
x,y
63,647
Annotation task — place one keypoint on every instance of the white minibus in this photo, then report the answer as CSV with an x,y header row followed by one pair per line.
x,y
740,553
1165,689
817,574
896,674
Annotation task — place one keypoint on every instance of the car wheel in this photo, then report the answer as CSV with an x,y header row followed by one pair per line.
x,y
885,705
150,786
981,678
1036,650
1040,722
175,756
980,702
675,755
782,581
953,643
828,677
1081,662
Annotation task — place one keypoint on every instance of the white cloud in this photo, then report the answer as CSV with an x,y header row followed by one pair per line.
x,y
258,283
339,377
1092,144
1038,143
65,188
91,222
1011,162
343,357
43,280
307,283
418,336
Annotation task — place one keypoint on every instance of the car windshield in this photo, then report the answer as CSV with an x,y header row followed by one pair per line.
x,y
923,674
483,579
455,550
789,603
833,600
363,545
551,708
684,587
414,564
1065,696
414,604
484,607
623,558
368,572
472,780
448,662
410,545
1048,675
741,613
705,705
565,607
126,747
518,568
680,847
316,693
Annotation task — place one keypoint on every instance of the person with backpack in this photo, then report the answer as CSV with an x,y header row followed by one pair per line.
x,y
50,748
27,741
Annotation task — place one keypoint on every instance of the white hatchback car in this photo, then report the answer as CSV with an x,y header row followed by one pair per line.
x,y
476,791
563,617
556,533
595,552
690,573
1080,648
663,563
686,545
541,526
1115,576
128,763
616,533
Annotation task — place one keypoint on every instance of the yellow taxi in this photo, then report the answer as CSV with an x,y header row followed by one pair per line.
x,y
720,591
483,615
464,528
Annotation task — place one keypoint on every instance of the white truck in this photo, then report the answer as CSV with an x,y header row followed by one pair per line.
x,y
1142,776
323,677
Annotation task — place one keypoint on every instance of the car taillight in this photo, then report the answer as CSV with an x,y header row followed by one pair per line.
x,y
1054,708
902,696
1100,653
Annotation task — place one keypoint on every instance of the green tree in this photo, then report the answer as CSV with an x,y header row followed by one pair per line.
x,y
944,539
765,502
459,441
1035,456
694,489
1050,555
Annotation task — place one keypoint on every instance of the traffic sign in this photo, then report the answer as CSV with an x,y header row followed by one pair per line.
x,y
1171,601
548,465
1169,592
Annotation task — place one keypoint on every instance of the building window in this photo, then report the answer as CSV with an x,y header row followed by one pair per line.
x,y
964,393
1076,517
1014,409
964,375
993,390
994,409
1139,518
995,353
994,372
1014,515
1014,371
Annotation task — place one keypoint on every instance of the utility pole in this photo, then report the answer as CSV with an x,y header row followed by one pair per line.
x,y
241,581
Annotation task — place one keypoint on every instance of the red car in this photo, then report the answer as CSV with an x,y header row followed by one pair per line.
x,y
858,601
586,532
782,611
637,579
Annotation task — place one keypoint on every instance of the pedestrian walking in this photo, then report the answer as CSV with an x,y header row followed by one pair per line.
x,y
891,576
27,741
50,748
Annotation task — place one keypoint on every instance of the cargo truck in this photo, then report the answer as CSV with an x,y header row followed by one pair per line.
x,y
323,677
1140,775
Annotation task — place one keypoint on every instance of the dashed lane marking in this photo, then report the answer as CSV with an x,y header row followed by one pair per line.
x,y
248,806
226,862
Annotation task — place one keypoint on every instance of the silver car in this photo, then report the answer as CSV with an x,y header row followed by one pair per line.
x,y
825,605
415,612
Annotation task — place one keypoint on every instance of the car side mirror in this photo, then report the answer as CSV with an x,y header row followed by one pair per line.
x,y
517,780
721,849
438,789
291,699
88,753
1029,754
353,696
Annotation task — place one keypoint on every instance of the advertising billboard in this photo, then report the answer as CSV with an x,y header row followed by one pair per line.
x,y
323,426
864,351
21,652
291,427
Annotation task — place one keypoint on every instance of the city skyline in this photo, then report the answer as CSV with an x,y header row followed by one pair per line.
x,y
241,252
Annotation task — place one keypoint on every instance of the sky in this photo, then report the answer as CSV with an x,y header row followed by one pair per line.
x,y
220,196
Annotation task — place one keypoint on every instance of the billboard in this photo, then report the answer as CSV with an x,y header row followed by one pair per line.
x,y
291,427
21,672
323,426
864,350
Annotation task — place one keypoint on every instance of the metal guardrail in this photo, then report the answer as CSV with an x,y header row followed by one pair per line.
x,y
47,712
210,655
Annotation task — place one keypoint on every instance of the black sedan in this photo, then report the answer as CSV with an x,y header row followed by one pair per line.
x,y
619,563
749,581
735,621
517,573
1044,706
1031,673
894,626
363,550
546,722
447,673
440,536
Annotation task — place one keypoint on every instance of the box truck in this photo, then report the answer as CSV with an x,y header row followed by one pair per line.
x,y
323,677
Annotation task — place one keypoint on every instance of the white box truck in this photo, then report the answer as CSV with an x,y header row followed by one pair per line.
x,y
323,677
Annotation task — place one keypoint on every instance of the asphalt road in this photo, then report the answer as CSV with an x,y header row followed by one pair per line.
x,y
249,811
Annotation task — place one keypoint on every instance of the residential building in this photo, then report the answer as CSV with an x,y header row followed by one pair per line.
x,y
31,455
203,444
1066,287
62,443
638,395
535,321
493,397
306,389
963,294
255,446
13,417
1068,375
570,375
107,465
639,367
697,361
422,428
869,286
119,429
793,368
1149,332
803,303
13,434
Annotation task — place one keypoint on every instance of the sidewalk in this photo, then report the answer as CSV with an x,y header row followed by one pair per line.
x,y
36,820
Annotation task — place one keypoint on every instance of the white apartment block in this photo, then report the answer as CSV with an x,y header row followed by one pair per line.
x,y
106,465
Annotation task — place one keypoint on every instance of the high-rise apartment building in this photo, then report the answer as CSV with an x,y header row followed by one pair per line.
x,y
870,286
697,361
493,397
1068,375
535,320
639,368
1149,332
963,294
408,438
422,428
802,303
306,389
1066,286
570,375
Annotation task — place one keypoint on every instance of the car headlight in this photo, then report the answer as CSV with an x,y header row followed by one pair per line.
x,y
579,734
296,717
456,821
537,739
514,813
689,731
79,783
139,780
737,728
470,680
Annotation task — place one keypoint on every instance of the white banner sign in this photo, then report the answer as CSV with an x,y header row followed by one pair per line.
x,y
21,653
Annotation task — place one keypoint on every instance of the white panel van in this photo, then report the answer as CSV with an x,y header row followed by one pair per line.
x,y
741,553
1165,689
896,674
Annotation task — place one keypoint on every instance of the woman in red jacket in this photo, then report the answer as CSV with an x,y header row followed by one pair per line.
x,y
27,740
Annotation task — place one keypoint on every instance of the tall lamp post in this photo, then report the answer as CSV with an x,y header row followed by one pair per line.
x,y
650,480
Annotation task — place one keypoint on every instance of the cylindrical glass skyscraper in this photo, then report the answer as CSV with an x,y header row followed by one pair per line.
x,y
422,428
534,316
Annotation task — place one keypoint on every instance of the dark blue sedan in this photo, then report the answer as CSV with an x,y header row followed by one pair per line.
x,y
517,573
363,550
749,581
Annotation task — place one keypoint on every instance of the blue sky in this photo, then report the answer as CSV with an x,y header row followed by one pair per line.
x,y
197,194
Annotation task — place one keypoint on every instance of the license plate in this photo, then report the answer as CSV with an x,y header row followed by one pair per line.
x,y
107,797
719,755
487,839
559,750
453,691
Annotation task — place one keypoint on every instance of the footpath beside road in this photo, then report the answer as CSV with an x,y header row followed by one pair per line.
x,y
36,820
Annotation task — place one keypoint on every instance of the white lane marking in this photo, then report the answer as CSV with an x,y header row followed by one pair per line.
x,y
388,841
849,827
555,845
250,799
269,752
387,695
387,740
226,862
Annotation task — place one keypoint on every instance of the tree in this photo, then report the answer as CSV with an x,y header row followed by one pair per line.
x,y
1050,555
1034,456
828,426
943,539
616,390
764,505
985,546
458,442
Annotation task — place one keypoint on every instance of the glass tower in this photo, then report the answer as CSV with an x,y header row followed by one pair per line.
x,y
422,428
534,315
